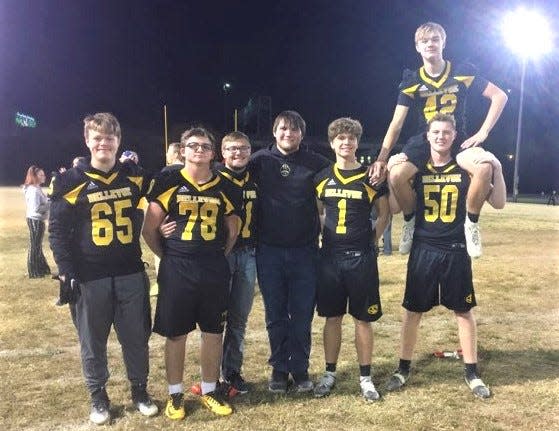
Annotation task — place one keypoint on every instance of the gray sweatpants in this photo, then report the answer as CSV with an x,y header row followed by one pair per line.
x,y
123,302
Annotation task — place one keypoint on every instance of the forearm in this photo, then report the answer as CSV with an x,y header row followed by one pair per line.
x,y
153,240
232,224
498,101
60,237
388,142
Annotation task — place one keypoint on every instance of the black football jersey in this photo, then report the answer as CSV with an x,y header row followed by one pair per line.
x,y
348,199
446,94
441,205
198,209
247,188
95,223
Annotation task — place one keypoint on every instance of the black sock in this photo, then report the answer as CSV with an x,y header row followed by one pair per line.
x,y
471,371
474,218
404,365
331,367
408,217
365,370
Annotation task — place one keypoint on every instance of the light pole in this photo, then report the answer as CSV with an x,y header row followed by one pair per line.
x,y
227,87
518,132
527,34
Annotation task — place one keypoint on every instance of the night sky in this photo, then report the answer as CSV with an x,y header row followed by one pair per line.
x,y
60,60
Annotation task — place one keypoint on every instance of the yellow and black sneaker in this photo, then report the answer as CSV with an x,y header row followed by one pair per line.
x,y
214,402
175,407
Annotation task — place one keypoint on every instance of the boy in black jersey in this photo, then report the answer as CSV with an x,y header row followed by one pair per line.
x,y
94,235
194,274
348,278
235,148
439,267
440,86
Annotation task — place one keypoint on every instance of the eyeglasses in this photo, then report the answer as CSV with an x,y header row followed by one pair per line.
x,y
195,146
240,149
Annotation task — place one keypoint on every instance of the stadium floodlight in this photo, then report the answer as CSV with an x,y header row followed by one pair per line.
x,y
528,35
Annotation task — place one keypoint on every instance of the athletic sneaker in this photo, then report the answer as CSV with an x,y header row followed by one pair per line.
x,y
175,407
407,236
304,386
100,403
278,382
473,238
143,401
397,380
215,403
237,384
479,389
302,382
368,389
325,384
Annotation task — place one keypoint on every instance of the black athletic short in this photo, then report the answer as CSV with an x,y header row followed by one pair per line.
x,y
438,277
418,150
350,276
193,289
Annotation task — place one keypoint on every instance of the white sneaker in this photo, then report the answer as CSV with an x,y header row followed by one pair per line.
x,y
407,236
473,238
143,401
100,404
325,384
368,389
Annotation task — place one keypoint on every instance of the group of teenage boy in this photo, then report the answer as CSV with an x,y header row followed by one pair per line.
x,y
216,227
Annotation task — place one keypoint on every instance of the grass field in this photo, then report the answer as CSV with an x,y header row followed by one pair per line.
x,y
517,288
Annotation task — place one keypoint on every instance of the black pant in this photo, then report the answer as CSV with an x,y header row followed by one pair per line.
x,y
36,263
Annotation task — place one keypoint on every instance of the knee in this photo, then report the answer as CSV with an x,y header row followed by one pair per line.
x,y
483,171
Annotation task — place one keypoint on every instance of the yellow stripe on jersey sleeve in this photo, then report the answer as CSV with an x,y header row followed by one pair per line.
x,y
320,188
409,91
137,180
72,195
371,193
164,197
143,204
228,205
467,80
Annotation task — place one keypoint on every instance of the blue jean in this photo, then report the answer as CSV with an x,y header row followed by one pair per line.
x,y
242,263
287,279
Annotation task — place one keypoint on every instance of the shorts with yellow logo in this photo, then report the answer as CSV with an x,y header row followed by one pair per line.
x,y
438,277
348,282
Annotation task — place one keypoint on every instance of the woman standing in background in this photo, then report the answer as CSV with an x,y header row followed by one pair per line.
x,y
37,210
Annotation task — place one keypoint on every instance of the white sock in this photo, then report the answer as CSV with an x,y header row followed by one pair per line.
x,y
175,389
208,387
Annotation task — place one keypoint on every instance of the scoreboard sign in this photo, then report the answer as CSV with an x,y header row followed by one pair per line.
x,y
23,120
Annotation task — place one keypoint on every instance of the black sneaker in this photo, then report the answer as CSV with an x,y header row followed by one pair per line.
x,y
100,403
142,401
302,382
278,382
237,384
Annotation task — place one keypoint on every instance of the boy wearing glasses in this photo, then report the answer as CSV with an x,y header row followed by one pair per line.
x,y
194,274
235,148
